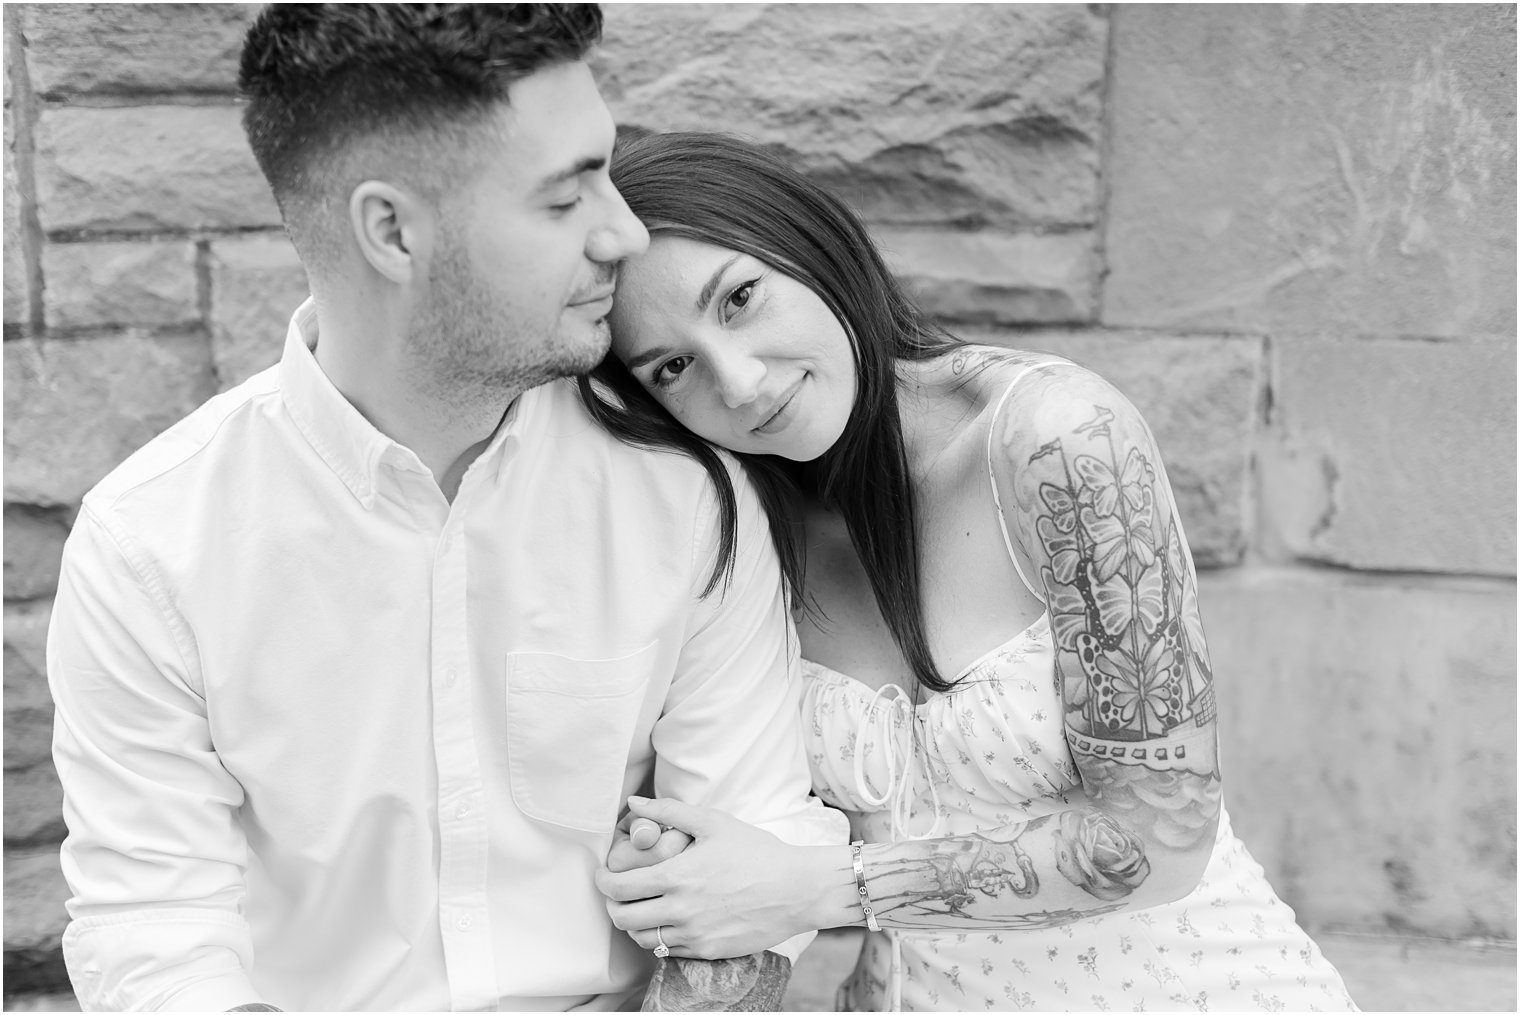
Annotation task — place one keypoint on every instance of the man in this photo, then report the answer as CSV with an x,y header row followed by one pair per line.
x,y
355,666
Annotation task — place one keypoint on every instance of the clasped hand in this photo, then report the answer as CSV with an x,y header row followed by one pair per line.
x,y
716,886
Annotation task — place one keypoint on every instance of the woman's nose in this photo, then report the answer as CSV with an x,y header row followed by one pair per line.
x,y
739,378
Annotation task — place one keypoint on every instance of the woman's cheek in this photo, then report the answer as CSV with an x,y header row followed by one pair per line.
x,y
674,403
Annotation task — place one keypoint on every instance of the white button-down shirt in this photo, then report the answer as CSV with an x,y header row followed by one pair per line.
x,y
332,742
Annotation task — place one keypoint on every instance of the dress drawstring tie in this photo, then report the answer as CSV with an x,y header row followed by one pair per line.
x,y
890,715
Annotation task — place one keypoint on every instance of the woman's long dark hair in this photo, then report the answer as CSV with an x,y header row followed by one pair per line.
x,y
734,194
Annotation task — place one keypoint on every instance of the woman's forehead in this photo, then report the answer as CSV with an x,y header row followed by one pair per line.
x,y
684,256
675,268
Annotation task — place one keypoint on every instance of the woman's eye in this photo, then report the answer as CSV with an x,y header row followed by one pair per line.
x,y
565,206
671,370
739,298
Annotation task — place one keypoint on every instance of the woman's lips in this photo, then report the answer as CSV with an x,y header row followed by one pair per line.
x,y
781,416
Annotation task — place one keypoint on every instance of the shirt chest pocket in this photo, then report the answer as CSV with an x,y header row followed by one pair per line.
x,y
570,723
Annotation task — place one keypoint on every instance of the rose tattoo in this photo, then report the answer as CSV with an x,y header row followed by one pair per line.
x,y
1099,855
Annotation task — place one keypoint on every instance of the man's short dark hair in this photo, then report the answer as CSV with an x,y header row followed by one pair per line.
x,y
319,79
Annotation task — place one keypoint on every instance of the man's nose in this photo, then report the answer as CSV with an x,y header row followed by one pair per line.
x,y
621,235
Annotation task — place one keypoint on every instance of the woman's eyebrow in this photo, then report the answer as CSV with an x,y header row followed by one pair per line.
x,y
644,357
705,296
704,300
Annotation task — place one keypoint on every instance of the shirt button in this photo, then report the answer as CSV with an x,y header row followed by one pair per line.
x,y
463,811
451,677
463,923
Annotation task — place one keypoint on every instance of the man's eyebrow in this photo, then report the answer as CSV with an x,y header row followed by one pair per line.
x,y
705,296
587,165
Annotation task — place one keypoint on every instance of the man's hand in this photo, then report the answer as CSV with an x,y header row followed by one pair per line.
x,y
639,842
751,983
643,833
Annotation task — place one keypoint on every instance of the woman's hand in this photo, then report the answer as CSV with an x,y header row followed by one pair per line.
x,y
736,890
638,842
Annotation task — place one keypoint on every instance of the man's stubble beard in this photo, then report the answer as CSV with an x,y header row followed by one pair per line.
x,y
469,350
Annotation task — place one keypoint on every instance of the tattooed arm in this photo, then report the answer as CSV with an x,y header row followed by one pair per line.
x,y
751,983
1093,514
1089,507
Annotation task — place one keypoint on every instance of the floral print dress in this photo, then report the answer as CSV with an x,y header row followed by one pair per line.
x,y
991,752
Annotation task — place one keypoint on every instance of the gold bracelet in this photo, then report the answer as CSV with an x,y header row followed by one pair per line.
x,y
860,886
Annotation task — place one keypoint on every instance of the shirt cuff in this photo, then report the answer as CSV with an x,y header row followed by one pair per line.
x,y
817,824
791,948
221,993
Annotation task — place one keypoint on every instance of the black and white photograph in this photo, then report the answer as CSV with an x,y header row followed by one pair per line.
x,y
760,507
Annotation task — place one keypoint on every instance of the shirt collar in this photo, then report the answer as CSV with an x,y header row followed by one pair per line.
x,y
347,442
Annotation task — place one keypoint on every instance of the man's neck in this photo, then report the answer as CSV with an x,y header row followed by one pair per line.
x,y
447,437
449,480
446,429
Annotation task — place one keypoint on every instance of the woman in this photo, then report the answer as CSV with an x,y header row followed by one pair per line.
x,y
1007,684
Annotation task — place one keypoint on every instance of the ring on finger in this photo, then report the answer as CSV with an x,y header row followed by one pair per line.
x,y
661,949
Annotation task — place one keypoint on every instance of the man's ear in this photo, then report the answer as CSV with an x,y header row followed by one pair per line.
x,y
393,228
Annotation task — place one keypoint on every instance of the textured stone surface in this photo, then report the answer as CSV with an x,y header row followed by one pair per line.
x,y
1199,396
1368,742
145,284
135,47
1414,974
35,893
33,544
148,168
915,113
995,278
16,308
34,805
256,284
74,409
1313,167
34,888
52,1000
1393,455
28,707
33,798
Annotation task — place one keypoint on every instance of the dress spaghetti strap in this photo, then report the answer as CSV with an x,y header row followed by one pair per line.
x,y
992,479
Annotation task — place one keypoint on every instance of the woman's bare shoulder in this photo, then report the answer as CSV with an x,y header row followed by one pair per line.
x,y
1060,402
1047,390
984,370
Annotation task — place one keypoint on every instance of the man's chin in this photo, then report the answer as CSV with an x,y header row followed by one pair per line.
x,y
575,354
589,348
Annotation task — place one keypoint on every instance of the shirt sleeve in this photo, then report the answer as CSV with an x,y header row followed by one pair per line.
x,y
154,855
731,734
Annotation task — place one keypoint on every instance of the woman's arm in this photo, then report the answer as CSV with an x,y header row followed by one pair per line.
x,y
1092,513
744,983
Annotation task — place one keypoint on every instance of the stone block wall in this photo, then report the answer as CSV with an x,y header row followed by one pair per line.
x,y
1286,232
